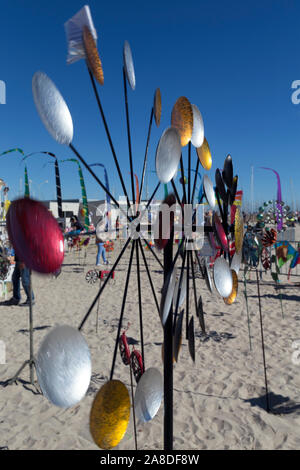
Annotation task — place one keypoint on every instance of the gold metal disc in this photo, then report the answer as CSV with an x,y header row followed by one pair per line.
x,y
231,298
204,155
238,230
110,414
182,119
92,55
157,106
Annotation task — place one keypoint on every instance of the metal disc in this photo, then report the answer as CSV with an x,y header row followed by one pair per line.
x,y
168,155
207,276
200,315
198,128
63,366
231,298
233,189
228,171
157,106
204,155
177,340
148,395
110,413
182,290
36,235
128,65
222,277
52,108
236,262
182,119
191,339
209,191
238,230
220,232
220,185
167,295
92,55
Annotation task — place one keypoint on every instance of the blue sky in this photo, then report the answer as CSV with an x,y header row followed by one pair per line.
x,y
235,60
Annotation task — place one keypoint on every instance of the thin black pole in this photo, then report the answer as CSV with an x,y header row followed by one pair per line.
x,y
182,176
129,137
189,173
194,280
140,299
103,286
187,295
31,330
152,251
263,343
146,154
179,290
133,409
149,275
122,312
195,180
108,134
168,358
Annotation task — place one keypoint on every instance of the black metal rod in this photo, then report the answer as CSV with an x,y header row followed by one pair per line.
x,y
168,358
195,180
122,312
140,298
108,134
133,408
182,179
146,154
263,343
179,290
194,280
189,172
31,365
187,295
128,136
152,251
104,284
149,275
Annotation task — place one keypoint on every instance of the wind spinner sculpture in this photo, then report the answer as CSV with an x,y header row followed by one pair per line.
x,y
63,362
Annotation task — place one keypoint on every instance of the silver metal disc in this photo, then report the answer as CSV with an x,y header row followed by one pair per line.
x,y
52,108
128,65
209,191
222,277
182,290
198,128
148,395
63,366
167,295
208,279
168,154
236,261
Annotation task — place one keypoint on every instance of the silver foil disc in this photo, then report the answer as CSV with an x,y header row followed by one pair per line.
x,y
236,261
207,275
63,366
128,65
209,191
167,295
148,395
182,290
168,154
52,108
222,277
198,128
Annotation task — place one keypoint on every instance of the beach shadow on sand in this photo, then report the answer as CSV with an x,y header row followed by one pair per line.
x,y
279,405
38,328
26,385
296,298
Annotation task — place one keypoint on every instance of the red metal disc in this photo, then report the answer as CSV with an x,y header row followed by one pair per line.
x,y
35,235
220,232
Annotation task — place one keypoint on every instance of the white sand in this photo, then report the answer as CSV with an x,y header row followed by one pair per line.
x,y
218,401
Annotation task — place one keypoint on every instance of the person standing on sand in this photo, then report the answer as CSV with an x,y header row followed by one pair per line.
x,y
20,271
101,251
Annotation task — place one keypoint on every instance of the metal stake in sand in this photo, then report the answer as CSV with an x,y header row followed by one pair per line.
x,y
30,362
263,344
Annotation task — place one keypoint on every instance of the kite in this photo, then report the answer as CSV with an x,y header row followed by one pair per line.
x,y
279,215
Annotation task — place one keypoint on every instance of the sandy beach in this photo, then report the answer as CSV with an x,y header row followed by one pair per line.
x,y
219,402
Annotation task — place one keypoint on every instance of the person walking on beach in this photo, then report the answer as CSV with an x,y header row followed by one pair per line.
x,y
23,273
101,251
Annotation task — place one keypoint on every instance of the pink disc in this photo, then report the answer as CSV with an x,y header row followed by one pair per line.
x,y
220,232
35,235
